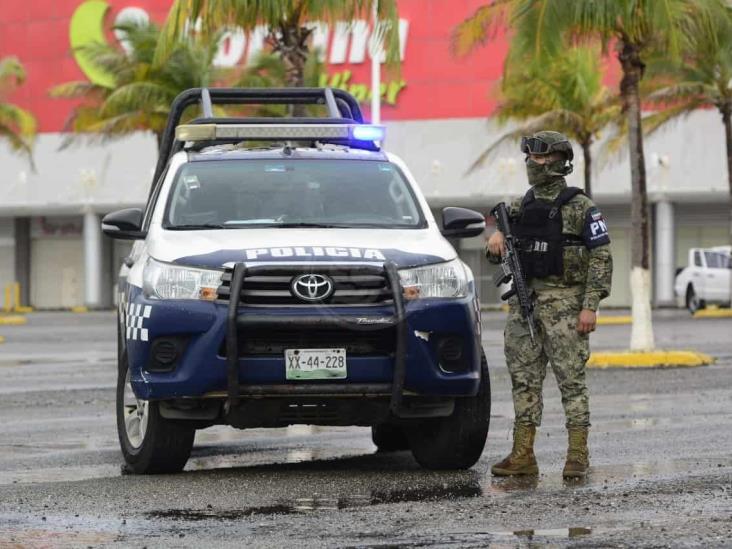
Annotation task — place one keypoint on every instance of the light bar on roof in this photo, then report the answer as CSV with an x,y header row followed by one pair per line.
x,y
265,132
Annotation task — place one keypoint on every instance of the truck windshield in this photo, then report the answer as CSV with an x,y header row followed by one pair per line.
x,y
291,193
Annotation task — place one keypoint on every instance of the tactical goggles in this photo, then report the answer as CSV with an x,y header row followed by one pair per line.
x,y
535,145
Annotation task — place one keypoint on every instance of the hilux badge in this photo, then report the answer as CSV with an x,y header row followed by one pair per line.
x,y
312,287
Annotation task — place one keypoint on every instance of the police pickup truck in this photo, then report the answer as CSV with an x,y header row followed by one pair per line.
x,y
285,271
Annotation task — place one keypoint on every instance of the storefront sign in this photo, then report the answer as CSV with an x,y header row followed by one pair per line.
x,y
431,84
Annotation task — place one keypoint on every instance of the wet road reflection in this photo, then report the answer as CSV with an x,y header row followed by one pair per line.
x,y
444,491
552,532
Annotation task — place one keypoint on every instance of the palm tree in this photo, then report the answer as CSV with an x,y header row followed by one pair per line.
x,y
141,93
701,78
289,22
635,28
17,125
567,96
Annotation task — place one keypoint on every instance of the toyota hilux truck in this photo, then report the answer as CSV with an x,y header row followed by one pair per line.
x,y
289,271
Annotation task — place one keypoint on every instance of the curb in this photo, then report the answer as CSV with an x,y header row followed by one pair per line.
x,y
713,313
12,320
649,359
614,320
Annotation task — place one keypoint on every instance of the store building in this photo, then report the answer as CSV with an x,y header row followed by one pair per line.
x,y
436,112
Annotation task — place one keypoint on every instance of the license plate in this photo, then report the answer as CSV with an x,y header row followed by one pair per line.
x,y
315,363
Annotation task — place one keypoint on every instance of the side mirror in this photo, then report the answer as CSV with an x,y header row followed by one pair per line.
x,y
461,223
124,224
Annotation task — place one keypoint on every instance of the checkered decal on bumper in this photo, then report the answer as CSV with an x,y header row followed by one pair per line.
x,y
136,316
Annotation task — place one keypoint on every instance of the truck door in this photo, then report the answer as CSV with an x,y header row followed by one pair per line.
x,y
716,276
697,273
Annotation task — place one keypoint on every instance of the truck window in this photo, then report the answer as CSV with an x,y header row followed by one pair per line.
x,y
716,260
697,259
286,192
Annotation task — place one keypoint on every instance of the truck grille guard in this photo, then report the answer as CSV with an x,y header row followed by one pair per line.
x,y
235,322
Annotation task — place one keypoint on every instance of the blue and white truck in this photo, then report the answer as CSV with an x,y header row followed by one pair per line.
x,y
288,270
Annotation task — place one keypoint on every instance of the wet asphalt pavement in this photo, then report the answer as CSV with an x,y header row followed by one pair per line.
x,y
661,452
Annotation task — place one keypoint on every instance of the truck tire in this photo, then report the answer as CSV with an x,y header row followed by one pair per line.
x,y
389,438
693,303
457,441
150,443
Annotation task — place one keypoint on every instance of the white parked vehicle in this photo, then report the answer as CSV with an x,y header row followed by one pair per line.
x,y
706,279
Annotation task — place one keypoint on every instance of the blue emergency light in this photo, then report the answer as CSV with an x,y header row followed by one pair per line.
x,y
368,133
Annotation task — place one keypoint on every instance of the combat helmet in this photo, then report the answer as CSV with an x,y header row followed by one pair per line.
x,y
547,142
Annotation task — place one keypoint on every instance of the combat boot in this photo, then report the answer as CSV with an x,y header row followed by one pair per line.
x,y
578,456
522,460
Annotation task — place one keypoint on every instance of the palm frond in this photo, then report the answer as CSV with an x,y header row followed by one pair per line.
x,y
684,92
12,72
137,96
659,119
16,142
81,89
17,125
481,26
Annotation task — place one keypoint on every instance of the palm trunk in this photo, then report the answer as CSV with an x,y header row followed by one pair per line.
x,y
641,338
290,41
726,111
587,153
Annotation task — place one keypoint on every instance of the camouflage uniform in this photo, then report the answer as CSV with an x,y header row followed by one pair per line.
x,y
559,300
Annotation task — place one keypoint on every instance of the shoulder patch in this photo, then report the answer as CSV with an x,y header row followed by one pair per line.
x,y
595,232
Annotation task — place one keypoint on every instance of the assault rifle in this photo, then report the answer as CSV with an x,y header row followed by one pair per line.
x,y
511,269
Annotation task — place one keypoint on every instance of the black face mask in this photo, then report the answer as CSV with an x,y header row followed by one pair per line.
x,y
540,174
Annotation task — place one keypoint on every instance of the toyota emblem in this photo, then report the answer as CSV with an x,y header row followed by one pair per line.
x,y
312,287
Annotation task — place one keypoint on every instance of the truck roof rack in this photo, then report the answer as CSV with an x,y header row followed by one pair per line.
x,y
344,115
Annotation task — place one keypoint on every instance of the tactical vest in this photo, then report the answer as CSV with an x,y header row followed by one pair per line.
x,y
538,232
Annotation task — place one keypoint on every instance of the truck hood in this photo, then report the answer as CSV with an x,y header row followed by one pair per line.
x,y
219,248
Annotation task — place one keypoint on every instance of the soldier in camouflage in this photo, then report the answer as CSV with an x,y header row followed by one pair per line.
x,y
569,275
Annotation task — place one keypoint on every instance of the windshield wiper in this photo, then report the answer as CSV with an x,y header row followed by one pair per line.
x,y
232,225
193,227
304,224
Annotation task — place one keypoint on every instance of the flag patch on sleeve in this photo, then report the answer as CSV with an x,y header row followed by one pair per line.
x,y
595,231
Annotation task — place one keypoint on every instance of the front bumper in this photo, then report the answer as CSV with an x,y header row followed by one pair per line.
x,y
211,363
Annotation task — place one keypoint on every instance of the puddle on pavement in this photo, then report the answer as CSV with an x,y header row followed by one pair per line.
x,y
573,532
309,504
212,514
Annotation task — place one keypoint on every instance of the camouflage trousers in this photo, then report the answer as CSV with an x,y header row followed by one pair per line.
x,y
557,343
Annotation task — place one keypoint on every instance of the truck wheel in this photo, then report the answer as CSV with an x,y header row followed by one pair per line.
x,y
457,441
149,442
693,303
389,438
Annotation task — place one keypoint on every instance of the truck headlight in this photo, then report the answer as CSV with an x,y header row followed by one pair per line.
x,y
167,281
447,279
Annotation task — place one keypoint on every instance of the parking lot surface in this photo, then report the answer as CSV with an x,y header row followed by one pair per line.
x,y
661,453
